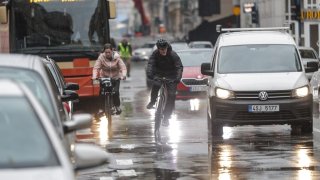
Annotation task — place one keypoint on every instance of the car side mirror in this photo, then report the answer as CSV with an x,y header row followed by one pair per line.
x,y
72,86
88,156
78,121
205,69
69,96
312,67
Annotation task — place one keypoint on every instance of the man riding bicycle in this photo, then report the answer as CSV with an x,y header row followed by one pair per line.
x,y
109,64
164,63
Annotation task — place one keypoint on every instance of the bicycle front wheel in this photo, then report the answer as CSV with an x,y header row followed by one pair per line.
x,y
107,107
160,108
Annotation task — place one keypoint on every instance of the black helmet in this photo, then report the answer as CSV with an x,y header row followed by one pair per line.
x,y
161,43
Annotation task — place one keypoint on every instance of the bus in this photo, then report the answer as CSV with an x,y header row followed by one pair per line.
x,y
71,32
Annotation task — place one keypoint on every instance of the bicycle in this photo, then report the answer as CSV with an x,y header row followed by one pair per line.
x,y
107,91
160,105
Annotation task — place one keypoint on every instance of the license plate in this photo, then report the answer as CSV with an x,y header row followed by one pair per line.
x,y
263,108
198,88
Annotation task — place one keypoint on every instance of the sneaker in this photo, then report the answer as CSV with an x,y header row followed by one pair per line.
x,y
118,110
165,122
150,105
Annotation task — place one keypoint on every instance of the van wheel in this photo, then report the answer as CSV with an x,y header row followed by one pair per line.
x,y
307,128
217,129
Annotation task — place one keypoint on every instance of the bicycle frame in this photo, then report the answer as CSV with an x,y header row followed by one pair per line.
x,y
107,91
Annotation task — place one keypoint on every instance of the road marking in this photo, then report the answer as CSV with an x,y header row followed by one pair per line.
x,y
106,178
127,146
130,172
124,162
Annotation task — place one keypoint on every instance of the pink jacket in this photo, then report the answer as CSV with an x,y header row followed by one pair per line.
x,y
106,68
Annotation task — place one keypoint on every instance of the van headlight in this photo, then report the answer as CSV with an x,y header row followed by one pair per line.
x,y
301,92
224,94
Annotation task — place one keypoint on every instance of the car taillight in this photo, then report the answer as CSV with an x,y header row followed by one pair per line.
x,y
66,105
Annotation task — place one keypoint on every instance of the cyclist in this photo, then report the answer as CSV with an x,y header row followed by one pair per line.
x,y
125,50
109,64
164,62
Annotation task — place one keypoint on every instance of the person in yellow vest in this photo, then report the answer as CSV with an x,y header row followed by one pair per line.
x,y
125,50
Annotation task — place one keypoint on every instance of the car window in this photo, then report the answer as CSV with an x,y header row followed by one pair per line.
x,y
308,54
258,59
201,46
148,45
24,142
195,58
52,71
179,46
35,83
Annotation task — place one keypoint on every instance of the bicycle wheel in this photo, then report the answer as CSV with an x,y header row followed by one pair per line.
x,y
107,106
160,107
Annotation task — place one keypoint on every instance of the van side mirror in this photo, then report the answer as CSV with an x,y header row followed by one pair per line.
x,y
205,69
3,15
312,67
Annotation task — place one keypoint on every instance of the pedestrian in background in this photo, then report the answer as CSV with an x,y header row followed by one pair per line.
x,y
125,50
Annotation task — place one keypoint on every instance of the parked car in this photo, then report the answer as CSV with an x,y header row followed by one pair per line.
x,y
308,54
193,84
31,148
143,53
65,89
200,44
257,78
31,71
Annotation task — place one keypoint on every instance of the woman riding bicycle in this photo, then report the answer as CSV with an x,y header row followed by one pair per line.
x,y
164,63
109,64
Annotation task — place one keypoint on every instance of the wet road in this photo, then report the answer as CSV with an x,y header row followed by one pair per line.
x,y
247,152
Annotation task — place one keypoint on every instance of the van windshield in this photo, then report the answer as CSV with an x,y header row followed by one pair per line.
x,y
258,59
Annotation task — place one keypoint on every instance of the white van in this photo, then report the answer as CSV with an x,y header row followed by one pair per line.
x,y
256,78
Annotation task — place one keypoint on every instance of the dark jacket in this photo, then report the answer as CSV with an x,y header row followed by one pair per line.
x,y
168,66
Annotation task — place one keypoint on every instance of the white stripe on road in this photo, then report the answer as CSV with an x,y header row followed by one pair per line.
x,y
130,172
106,178
124,162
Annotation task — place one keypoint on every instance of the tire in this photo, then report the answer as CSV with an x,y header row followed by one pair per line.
x,y
107,107
215,127
149,84
307,128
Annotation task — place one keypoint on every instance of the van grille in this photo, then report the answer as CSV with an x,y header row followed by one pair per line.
x,y
189,82
254,95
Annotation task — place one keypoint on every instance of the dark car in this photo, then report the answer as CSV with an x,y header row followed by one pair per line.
x,y
193,84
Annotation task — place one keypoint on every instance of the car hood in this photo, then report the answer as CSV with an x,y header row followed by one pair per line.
x,y
261,81
36,174
192,72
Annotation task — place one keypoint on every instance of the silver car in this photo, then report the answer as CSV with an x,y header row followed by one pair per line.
x,y
31,148
31,71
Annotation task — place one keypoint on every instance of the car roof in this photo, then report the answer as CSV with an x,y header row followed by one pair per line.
x,y
21,61
255,37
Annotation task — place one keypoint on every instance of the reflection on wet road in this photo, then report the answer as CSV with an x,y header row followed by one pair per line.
x,y
247,152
